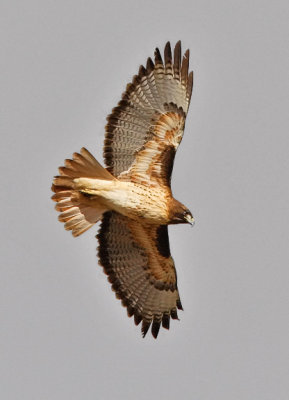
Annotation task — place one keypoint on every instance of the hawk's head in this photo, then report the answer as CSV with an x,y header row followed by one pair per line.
x,y
180,214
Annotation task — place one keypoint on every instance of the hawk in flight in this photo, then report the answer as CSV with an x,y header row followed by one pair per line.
x,y
132,196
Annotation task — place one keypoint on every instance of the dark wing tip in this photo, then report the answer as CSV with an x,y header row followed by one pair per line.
x,y
158,57
142,71
179,305
168,53
174,313
137,318
145,327
177,59
155,328
185,66
166,321
130,310
190,84
150,65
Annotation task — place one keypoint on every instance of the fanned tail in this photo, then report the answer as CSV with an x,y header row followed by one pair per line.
x,y
78,211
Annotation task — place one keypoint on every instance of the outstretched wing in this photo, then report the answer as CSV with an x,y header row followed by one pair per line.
x,y
138,263
145,129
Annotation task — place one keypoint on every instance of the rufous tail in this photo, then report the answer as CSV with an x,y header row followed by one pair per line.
x,y
78,211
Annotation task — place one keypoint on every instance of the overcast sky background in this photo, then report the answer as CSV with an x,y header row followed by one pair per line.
x,y
64,336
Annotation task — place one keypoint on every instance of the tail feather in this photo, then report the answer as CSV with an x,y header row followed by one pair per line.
x,y
63,181
78,211
86,165
68,214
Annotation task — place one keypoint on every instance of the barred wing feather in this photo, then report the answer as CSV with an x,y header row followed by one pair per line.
x,y
160,89
139,266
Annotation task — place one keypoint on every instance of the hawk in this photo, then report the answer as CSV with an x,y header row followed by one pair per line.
x,y
132,196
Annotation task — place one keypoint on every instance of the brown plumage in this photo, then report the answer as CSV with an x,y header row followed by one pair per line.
x,y
132,196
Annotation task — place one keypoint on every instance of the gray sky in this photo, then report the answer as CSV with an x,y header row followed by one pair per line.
x,y
64,336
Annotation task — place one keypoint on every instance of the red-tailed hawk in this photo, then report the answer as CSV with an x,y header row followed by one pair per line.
x,y
132,196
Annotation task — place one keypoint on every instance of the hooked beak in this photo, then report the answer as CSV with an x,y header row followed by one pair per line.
x,y
190,219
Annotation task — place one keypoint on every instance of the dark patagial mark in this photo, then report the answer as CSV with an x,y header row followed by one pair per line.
x,y
167,162
162,239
